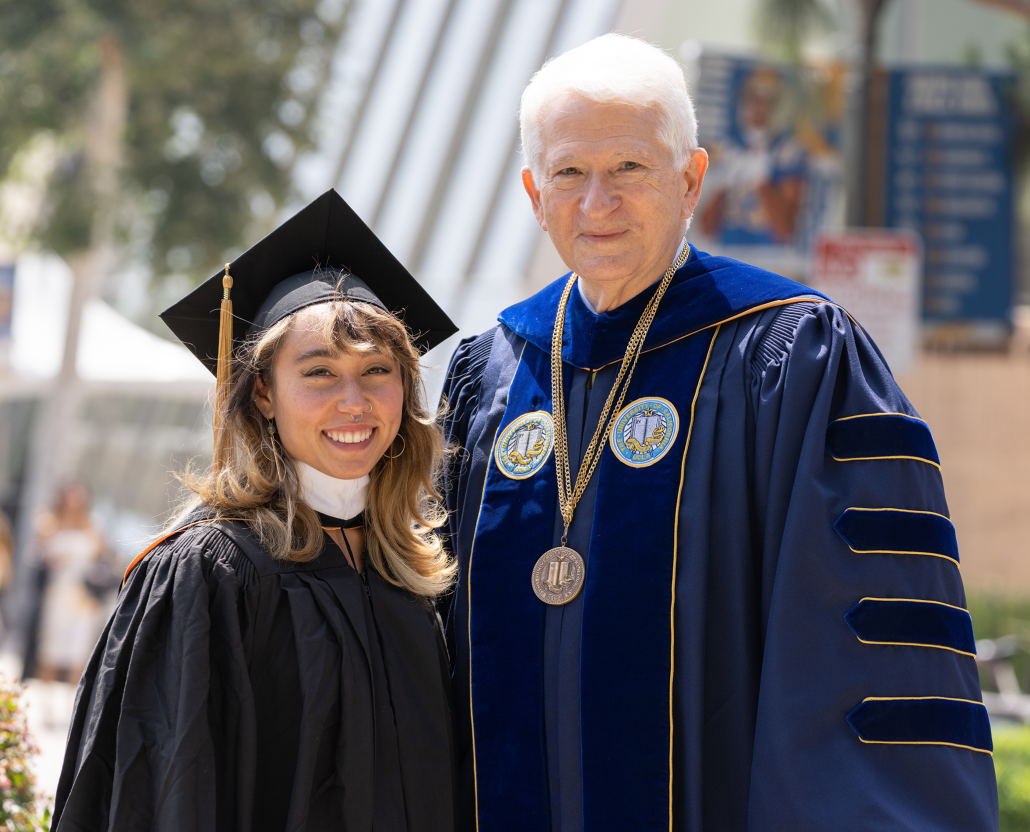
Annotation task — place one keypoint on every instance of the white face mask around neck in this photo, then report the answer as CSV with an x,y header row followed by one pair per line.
x,y
343,499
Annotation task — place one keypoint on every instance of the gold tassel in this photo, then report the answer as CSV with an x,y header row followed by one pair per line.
x,y
224,362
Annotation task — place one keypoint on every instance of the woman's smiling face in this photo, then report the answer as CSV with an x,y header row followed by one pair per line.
x,y
317,390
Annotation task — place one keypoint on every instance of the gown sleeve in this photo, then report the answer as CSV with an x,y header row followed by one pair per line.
x,y
166,676
464,400
868,713
461,400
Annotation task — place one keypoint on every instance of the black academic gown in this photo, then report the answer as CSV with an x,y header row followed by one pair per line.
x,y
231,691
771,636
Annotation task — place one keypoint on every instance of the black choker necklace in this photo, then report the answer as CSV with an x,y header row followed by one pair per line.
x,y
329,522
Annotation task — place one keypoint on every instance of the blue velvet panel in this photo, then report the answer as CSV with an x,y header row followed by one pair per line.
x,y
912,622
880,436
898,531
929,720
626,658
625,679
506,626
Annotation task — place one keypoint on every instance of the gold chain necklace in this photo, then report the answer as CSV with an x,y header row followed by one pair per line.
x,y
559,573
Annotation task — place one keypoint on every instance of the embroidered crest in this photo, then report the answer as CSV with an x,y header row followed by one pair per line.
x,y
523,446
644,431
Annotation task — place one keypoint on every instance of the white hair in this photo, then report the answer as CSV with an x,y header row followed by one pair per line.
x,y
611,69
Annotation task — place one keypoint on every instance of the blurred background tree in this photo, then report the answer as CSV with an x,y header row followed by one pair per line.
x,y
784,25
168,133
208,105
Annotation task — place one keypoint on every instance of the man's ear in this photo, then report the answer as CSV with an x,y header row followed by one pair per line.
x,y
534,197
263,398
693,177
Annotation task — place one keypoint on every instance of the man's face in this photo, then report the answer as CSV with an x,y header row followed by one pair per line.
x,y
610,196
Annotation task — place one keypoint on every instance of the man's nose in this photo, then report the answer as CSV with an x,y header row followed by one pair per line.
x,y
598,201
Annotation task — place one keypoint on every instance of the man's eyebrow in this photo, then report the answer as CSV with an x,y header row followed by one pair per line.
x,y
562,159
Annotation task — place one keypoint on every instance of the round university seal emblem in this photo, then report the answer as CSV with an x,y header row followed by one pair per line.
x,y
523,446
644,431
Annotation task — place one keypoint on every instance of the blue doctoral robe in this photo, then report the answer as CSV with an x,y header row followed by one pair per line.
x,y
772,633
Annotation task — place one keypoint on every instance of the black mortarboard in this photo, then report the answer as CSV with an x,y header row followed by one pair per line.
x,y
297,265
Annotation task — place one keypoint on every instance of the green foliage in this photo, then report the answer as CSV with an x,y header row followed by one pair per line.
x,y
1012,767
995,616
21,810
785,24
221,95
49,58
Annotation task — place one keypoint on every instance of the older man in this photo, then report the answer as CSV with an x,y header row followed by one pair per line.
x,y
707,577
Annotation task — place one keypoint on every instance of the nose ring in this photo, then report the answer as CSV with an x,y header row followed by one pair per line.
x,y
363,412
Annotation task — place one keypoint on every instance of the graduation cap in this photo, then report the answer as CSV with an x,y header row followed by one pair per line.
x,y
298,265
323,253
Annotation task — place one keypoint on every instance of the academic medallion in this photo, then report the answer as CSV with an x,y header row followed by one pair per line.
x,y
558,576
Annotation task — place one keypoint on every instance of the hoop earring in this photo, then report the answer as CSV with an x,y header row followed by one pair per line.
x,y
403,446
275,451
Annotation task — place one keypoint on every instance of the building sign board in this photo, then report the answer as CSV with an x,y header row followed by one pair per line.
x,y
874,274
949,177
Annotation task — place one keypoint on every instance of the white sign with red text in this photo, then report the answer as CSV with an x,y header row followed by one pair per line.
x,y
876,275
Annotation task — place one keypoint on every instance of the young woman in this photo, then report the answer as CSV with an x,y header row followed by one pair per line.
x,y
275,663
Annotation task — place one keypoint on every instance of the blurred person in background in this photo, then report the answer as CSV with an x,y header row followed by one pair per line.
x,y
275,661
6,556
69,547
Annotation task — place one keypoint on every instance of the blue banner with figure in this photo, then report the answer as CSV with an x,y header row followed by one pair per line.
x,y
773,135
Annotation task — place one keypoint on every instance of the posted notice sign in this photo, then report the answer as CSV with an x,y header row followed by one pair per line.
x,y
875,274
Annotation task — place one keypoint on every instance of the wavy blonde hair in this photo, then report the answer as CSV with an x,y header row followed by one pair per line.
x,y
254,478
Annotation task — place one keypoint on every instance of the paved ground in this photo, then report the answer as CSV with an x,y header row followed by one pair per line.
x,y
49,708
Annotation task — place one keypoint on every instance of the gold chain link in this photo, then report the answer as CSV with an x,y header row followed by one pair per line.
x,y
567,497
